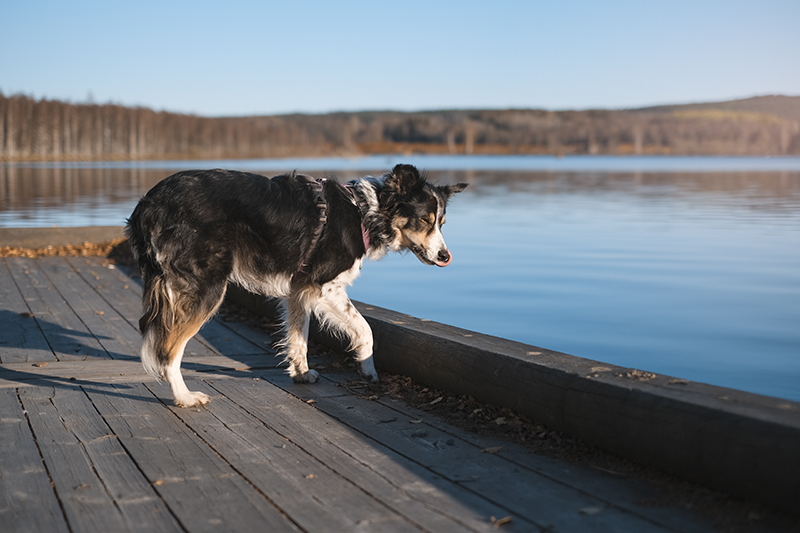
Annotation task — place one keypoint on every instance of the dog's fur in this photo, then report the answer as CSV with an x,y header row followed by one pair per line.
x,y
195,231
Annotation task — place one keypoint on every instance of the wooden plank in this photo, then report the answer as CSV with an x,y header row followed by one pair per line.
x,y
85,500
65,333
101,488
430,501
202,490
262,340
308,490
114,333
27,500
526,495
20,337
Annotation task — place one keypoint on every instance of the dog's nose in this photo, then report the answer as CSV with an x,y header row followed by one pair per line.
x,y
443,258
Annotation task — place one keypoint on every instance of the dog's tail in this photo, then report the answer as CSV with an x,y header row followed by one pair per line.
x,y
157,307
157,321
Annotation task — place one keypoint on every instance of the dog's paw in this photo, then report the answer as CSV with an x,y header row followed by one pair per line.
x,y
312,376
370,375
367,371
193,399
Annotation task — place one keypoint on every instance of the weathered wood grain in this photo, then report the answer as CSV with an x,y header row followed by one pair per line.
x,y
86,502
65,333
100,487
110,328
303,486
27,500
201,489
20,337
430,501
528,495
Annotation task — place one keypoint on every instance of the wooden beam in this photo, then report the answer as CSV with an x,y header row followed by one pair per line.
x,y
741,443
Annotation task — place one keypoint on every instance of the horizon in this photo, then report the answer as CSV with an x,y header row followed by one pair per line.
x,y
401,111
250,58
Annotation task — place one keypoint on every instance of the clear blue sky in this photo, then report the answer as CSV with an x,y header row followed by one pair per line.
x,y
239,57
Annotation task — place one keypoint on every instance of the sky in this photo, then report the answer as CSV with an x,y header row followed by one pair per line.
x,y
242,57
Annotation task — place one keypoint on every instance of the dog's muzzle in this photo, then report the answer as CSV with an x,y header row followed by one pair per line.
x,y
443,257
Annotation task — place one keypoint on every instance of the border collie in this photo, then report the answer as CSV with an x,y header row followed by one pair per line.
x,y
293,237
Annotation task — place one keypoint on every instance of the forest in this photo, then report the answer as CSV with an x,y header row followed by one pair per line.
x,y
51,130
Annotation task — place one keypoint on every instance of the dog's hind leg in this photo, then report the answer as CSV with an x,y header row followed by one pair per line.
x,y
177,340
177,318
296,317
336,310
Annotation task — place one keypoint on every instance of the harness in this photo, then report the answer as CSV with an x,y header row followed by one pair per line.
x,y
362,210
317,188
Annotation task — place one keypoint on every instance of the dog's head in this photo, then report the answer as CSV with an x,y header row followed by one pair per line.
x,y
416,212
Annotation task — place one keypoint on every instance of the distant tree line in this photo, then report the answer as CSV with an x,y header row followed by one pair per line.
x,y
48,130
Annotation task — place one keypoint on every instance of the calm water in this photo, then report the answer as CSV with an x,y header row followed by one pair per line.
x,y
682,266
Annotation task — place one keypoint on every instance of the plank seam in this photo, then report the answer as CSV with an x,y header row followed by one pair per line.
x,y
386,505
77,315
133,460
224,459
543,527
44,463
33,315
80,273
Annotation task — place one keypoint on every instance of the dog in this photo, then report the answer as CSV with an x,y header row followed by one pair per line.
x,y
293,237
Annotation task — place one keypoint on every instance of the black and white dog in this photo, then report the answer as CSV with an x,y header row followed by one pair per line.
x,y
293,237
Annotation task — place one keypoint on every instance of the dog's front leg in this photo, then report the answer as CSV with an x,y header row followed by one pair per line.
x,y
338,311
296,318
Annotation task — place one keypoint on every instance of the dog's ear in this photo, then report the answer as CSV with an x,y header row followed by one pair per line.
x,y
449,190
404,179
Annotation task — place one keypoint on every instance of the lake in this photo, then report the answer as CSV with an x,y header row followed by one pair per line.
x,y
682,266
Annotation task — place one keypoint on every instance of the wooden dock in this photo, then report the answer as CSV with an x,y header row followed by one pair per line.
x,y
89,442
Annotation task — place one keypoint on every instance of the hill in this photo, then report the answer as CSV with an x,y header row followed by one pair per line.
x,y
47,130
779,106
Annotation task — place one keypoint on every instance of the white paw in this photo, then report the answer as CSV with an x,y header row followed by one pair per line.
x,y
312,376
192,399
368,370
373,377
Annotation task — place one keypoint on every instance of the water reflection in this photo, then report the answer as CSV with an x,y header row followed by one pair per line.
x,y
41,197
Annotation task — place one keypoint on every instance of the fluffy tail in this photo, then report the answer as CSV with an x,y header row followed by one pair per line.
x,y
157,311
155,324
